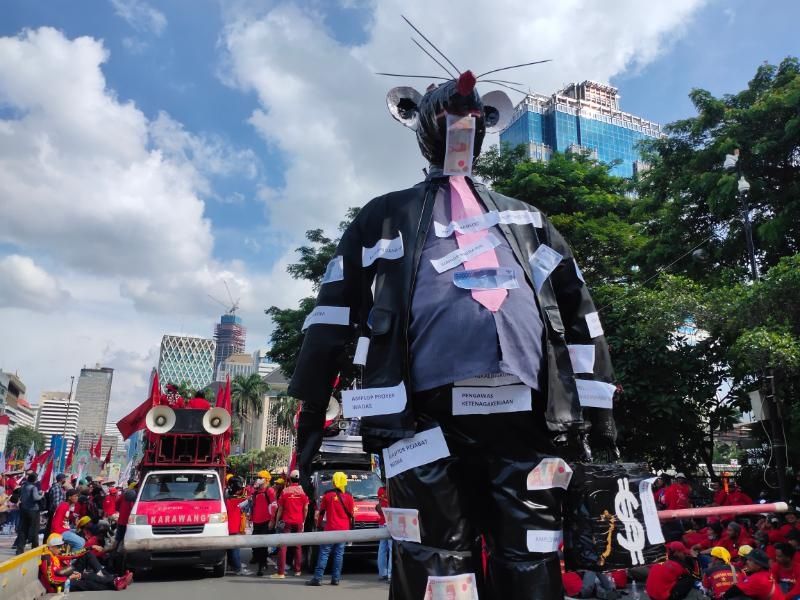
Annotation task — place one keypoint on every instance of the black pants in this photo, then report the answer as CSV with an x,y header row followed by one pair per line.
x,y
479,490
260,554
28,530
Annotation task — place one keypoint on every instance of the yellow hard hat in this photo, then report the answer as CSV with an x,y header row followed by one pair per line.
x,y
55,539
745,549
265,475
339,480
83,522
721,553
228,477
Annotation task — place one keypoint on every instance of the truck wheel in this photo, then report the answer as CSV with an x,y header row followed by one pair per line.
x,y
219,569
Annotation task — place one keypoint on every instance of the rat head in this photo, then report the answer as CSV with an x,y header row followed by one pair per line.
x,y
427,115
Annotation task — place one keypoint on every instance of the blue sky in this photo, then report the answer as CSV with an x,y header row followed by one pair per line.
x,y
182,144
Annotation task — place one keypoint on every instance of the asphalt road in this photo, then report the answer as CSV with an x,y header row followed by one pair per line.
x,y
359,582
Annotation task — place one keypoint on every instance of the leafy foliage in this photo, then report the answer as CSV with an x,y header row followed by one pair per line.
x,y
20,439
252,462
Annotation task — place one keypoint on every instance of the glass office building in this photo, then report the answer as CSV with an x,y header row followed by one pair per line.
x,y
583,117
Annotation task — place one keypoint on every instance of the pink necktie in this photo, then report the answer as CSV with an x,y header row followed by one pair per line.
x,y
463,203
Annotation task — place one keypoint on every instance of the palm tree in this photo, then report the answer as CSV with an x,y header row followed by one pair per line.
x,y
284,410
247,397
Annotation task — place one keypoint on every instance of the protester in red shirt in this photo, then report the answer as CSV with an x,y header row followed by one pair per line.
x,y
291,518
790,523
385,545
125,503
733,538
736,497
110,502
234,497
697,536
262,517
336,508
719,496
62,521
670,579
786,571
678,495
759,583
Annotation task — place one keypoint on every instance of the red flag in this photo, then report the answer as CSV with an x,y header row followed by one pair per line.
x,y
135,420
71,454
47,476
107,459
98,447
38,462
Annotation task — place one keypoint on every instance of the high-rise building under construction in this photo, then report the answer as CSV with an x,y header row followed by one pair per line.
x,y
229,334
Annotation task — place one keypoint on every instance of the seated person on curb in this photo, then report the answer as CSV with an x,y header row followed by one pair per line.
x,y
720,576
64,513
671,580
81,569
758,583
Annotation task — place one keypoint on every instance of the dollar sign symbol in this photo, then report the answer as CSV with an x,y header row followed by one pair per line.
x,y
625,505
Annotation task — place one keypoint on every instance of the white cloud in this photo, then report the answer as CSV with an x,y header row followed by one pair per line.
x,y
112,202
24,284
140,15
324,108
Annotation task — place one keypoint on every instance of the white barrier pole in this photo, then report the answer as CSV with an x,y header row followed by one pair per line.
x,y
716,511
312,538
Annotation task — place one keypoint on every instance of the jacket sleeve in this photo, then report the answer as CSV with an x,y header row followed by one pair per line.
x,y
582,328
328,330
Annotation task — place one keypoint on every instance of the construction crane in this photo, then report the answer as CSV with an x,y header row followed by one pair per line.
x,y
231,308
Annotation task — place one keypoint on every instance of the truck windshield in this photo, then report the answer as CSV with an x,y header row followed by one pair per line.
x,y
180,486
361,484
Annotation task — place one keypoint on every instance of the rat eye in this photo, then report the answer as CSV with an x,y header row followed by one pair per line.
x,y
491,116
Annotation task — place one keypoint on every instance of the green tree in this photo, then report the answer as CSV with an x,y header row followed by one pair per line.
x,y
286,337
247,395
20,439
284,410
250,463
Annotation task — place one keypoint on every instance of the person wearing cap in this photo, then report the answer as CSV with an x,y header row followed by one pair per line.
x,y
759,583
62,518
291,518
336,509
720,575
786,571
671,579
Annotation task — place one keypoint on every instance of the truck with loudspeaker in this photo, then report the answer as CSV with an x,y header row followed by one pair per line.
x,y
181,476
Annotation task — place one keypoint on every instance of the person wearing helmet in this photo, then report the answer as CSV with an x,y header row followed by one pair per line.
x,y
235,496
721,575
336,509
291,518
759,584
262,515
82,569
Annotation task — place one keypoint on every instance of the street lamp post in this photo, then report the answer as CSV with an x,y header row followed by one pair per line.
x,y
773,406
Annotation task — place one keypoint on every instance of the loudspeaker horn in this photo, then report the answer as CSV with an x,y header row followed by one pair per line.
x,y
216,421
160,419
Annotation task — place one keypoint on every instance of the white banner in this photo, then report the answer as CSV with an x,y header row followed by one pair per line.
x,y
368,402
651,522
595,394
451,587
543,262
487,220
462,255
543,540
425,447
362,348
328,315
489,400
388,249
335,270
593,323
582,357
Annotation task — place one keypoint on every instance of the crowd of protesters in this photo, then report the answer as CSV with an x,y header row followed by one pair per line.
x,y
279,505
81,523
755,556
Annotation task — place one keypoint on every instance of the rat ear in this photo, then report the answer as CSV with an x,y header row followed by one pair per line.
x,y
403,103
497,110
